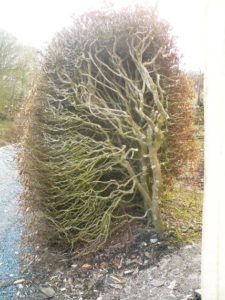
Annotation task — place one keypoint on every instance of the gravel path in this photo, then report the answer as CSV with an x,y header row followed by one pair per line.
x,y
10,221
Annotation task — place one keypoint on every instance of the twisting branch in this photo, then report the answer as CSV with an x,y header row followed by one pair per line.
x,y
97,127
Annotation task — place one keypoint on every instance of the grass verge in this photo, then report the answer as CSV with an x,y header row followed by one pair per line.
x,y
182,214
7,132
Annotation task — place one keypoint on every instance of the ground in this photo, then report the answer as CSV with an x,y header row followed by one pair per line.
x,y
148,267
10,221
174,276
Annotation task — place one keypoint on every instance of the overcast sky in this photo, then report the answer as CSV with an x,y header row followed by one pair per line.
x,y
34,22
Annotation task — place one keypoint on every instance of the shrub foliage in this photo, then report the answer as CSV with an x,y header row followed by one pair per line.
x,y
108,121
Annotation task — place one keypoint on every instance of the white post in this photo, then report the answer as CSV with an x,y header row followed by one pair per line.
x,y
213,243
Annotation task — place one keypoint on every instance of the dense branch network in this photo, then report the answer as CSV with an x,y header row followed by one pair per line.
x,y
98,120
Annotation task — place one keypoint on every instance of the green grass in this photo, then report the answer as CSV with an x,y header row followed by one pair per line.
x,y
182,214
6,132
3,125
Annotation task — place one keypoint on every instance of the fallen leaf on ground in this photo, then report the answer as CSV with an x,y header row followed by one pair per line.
x,y
86,267
104,265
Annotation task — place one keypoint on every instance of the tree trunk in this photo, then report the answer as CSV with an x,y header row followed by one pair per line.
x,y
154,145
156,188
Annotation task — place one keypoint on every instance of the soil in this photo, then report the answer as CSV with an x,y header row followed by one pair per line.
x,y
148,268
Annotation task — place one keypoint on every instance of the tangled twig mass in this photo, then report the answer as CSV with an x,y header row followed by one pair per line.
x,y
108,120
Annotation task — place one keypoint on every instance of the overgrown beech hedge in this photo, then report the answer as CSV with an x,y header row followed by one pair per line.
x,y
107,127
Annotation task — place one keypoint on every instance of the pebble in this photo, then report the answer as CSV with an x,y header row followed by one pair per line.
x,y
147,254
153,241
48,291
19,281
145,263
127,272
20,286
172,285
157,283
74,266
144,244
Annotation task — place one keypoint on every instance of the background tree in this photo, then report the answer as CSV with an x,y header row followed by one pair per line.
x,y
110,109
16,64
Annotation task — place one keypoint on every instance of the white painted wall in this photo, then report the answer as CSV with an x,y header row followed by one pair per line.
x,y
213,244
